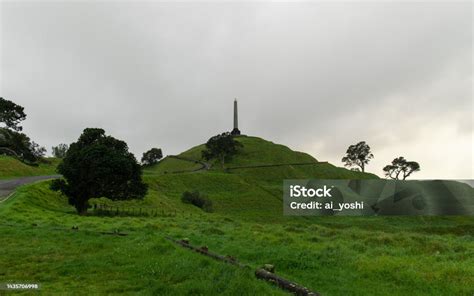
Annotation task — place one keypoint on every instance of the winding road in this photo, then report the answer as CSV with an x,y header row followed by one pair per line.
x,y
7,187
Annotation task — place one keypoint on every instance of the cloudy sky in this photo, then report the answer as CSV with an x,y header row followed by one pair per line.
x,y
316,77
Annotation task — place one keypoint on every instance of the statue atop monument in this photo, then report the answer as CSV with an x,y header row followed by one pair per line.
x,y
236,130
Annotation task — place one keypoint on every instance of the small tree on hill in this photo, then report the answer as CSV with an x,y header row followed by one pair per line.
x,y
37,150
152,156
401,168
358,155
99,166
60,150
11,114
221,147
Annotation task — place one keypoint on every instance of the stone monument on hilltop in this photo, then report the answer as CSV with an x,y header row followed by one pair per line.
x,y
236,130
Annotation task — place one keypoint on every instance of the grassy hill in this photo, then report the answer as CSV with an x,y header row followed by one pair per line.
x,y
257,152
254,192
11,167
331,255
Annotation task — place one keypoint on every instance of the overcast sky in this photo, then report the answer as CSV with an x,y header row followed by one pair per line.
x,y
316,77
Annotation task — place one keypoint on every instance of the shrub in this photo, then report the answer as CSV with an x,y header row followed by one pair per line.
x,y
152,156
197,199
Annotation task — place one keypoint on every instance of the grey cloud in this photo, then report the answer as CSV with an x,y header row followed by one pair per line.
x,y
314,76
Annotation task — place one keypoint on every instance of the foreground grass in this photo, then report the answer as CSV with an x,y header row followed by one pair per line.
x,y
11,168
89,263
331,255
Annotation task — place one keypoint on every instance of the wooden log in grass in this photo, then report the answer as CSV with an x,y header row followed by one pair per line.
x,y
284,283
114,233
259,273
205,251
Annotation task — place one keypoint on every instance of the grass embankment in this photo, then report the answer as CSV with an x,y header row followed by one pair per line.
x,y
171,165
331,255
11,168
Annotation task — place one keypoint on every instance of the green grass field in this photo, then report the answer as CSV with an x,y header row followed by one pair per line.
x,y
330,255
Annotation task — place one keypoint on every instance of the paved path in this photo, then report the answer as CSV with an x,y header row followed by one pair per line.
x,y
204,165
7,187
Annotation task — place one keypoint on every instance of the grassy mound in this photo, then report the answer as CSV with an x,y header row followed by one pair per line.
x,y
257,152
11,167
250,190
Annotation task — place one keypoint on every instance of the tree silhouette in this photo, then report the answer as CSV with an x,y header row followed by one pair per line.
x,y
11,114
152,156
358,155
221,147
401,168
60,150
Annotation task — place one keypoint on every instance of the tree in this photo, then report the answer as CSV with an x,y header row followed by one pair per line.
x,y
37,150
152,156
401,168
221,147
358,155
12,141
96,166
11,114
60,150
19,145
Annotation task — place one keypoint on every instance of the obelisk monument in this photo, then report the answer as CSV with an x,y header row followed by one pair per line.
x,y
236,130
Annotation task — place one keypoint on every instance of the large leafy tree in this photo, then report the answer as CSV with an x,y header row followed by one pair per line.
x,y
358,155
221,147
401,168
98,165
152,156
11,114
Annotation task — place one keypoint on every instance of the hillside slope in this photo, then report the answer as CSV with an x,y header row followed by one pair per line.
x,y
11,168
250,189
259,152
251,184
